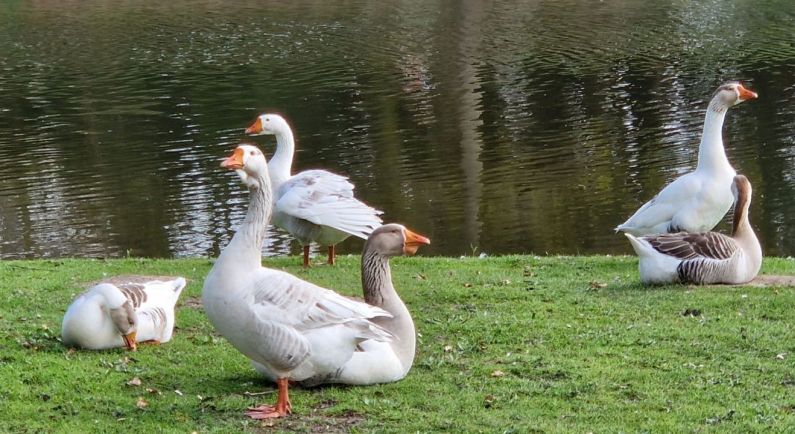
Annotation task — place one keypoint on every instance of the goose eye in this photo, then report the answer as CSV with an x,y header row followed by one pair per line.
x,y
267,119
252,153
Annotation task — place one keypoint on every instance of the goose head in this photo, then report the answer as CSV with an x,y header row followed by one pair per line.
x,y
121,313
732,93
394,240
268,123
249,163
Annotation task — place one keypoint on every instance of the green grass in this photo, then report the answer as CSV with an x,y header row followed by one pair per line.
x,y
507,344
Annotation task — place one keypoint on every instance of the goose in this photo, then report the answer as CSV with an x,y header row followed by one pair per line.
x,y
703,258
293,330
122,311
313,205
697,201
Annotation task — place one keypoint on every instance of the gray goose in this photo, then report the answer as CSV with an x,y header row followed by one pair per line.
x,y
708,257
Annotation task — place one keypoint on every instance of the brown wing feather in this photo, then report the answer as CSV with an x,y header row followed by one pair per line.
x,y
685,245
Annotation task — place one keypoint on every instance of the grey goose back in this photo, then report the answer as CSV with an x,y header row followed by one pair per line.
x,y
707,257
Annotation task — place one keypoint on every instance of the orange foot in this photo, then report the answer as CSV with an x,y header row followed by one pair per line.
x,y
268,412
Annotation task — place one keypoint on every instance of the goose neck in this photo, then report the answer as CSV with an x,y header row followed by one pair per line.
x,y
247,242
379,291
711,152
280,165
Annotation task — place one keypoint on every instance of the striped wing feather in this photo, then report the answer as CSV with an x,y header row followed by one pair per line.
x,y
684,245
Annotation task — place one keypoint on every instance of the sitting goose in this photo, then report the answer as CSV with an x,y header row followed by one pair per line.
x,y
313,205
697,201
293,330
702,258
122,311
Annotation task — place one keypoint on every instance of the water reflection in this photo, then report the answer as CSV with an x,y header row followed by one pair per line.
x,y
521,126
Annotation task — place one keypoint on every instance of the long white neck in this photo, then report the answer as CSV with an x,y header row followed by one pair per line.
x,y
281,163
379,291
711,153
245,249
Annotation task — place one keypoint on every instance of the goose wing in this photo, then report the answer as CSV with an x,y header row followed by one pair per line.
x,y
685,246
286,307
326,199
664,206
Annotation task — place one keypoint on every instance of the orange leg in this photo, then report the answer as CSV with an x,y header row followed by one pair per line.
x,y
306,256
281,409
331,253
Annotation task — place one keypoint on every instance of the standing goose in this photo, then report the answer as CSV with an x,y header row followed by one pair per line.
x,y
313,205
702,258
697,201
291,329
122,311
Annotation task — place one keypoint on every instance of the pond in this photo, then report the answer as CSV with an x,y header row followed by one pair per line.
x,y
496,127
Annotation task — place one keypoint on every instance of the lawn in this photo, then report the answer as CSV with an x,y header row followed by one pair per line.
x,y
506,344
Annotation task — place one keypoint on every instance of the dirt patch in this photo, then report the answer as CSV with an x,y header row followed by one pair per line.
x,y
772,280
317,421
192,302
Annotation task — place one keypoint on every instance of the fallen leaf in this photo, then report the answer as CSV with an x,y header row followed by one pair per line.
x,y
497,373
448,348
153,391
781,356
134,382
141,403
420,276
597,285
178,392
488,401
467,285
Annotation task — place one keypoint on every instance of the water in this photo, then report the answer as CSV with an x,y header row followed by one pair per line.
x,y
498,127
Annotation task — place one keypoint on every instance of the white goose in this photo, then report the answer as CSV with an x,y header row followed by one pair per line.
x,y
293,330
122,311
697,201
703,258
313,205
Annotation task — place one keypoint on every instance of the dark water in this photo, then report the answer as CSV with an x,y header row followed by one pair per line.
x,y
500,127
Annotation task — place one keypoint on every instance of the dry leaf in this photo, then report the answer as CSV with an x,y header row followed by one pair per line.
x,y
467,285
153,391
178,392
134,382
597,285
497,373
448,348
781,356
141,403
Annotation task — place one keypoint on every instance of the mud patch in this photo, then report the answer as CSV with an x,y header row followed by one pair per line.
x,y
192,302
317,421
771,280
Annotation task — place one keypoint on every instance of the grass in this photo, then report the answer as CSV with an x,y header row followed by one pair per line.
x,y
506,344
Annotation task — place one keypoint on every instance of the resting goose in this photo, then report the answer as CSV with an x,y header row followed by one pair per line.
x,y
293,330
313,205
697,201
123,311
703,258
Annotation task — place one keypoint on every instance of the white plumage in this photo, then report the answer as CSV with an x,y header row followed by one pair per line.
x,y
313,205
697,201
122,311
291,329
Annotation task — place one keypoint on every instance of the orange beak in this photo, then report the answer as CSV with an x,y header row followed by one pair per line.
x,y
413,242
129,341
234,161
746,94
255,128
